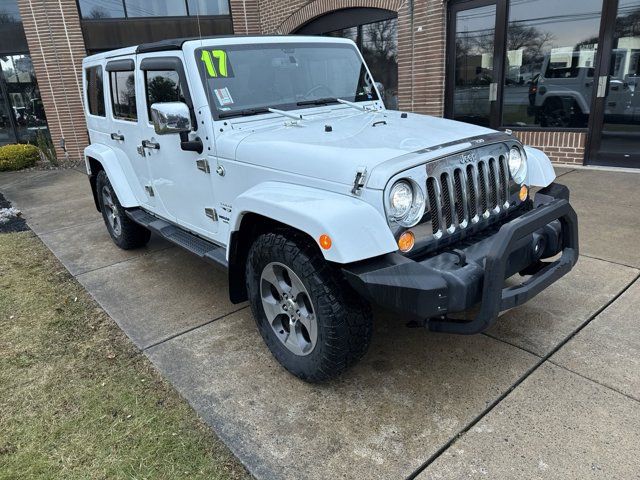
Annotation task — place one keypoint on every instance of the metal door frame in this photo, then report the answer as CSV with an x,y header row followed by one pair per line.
x,y
596,119
500,44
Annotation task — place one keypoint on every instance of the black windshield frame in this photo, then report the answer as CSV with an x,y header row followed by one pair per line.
x,y
365,78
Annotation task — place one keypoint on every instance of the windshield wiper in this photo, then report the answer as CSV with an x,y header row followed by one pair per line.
x,y
318,101
243,113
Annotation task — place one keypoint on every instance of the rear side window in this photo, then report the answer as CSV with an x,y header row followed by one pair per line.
x,y
123,95
162,86
95,91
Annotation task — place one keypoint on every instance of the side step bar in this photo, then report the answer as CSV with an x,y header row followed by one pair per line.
x,y
194,244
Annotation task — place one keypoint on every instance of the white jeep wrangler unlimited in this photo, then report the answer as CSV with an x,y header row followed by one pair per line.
x,y
275,158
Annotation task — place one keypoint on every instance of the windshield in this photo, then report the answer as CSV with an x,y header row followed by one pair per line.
x,y
247,79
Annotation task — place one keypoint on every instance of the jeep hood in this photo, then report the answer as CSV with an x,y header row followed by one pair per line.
x,y
332,145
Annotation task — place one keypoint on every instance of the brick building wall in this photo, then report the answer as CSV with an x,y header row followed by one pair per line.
x,y
246,16
56,46
561,147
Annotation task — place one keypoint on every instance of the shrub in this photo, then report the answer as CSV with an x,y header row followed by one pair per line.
x,y
16,157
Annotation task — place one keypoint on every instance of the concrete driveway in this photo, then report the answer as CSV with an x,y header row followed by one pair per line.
x,y
552,391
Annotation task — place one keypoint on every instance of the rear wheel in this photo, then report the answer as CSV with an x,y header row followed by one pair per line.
x,y
124,232
315,325
557,114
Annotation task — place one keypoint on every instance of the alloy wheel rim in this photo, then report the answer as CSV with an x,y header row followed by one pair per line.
x,y
113,217
288,308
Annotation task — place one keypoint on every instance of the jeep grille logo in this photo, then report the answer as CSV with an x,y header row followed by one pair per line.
x,y
468,157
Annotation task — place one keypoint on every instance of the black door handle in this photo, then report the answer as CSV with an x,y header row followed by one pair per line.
x,y
117,136
150,144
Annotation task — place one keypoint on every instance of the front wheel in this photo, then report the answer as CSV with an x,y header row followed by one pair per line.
x,y
315,325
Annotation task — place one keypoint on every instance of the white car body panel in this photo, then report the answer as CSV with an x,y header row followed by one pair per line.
x,y
540,172
319,212
118,171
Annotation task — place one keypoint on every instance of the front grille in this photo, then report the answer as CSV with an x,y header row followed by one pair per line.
x,y
462,195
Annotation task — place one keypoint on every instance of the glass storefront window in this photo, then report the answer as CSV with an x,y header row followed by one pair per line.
x,y
621,124
378,42
97,9
155,8
474,69
7,134
22,98
208,7
549,64
9,12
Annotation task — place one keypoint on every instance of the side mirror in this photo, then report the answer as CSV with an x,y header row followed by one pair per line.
x,y
170,117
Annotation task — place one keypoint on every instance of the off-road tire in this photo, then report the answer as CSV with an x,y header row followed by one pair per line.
x,y
344,319
131,235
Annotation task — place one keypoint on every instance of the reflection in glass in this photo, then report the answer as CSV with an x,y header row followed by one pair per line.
x,y
475,38
378,43
208,7
162,86
23,94
156,8
7,134
9,12
379,47
269,76
621,129
551,51
97,9
123,95
95,91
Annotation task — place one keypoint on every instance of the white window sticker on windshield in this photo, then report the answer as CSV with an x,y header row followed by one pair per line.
x,y
223,96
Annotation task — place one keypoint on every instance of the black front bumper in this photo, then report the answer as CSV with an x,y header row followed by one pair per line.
x,y
474,274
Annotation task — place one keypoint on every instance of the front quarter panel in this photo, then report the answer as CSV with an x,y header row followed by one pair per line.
x,y
358,231
540,172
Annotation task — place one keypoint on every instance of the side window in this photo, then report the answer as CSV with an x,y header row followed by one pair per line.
x,y
95,91
162,86
123,95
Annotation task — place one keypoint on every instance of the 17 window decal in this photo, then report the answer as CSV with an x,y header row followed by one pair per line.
x,y
223,67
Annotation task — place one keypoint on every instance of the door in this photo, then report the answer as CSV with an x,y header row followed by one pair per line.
x,y
123,128
181,180
473,64
616,120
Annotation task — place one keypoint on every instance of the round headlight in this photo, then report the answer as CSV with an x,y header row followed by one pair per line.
x,y
406,203
400,199
517,165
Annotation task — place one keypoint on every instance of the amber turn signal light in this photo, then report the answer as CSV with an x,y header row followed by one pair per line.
x,y
325,241
524,192
406,241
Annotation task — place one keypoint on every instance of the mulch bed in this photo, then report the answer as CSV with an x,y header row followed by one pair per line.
x,y
17,224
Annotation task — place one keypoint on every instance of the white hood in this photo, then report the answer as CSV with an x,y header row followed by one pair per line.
x,y
355,139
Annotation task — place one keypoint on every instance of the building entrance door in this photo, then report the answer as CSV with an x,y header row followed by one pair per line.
x,y
615,125
474,62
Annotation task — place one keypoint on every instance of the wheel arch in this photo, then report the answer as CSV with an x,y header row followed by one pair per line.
x,y
252,225
357,230
100,157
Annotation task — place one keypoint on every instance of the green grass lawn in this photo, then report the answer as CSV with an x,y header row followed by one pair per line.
x,y
77,399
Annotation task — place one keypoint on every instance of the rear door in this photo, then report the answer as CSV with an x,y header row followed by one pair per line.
x,y
122,132
181,179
